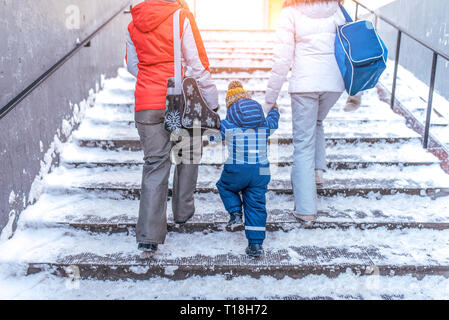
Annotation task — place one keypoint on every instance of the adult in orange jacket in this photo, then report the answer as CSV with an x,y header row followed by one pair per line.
x,y
150,58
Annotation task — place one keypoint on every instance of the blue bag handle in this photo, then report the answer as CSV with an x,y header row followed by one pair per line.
x,y
346,14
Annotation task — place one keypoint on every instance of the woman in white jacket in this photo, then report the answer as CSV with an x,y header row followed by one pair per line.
x,y
305,42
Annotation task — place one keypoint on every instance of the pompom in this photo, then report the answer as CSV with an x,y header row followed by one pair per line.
x,y
234,85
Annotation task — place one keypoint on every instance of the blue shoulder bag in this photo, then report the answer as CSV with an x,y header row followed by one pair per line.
x,y
361,54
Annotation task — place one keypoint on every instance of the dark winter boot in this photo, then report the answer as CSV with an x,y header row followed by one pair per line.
x,y
149,248
255,250
235,222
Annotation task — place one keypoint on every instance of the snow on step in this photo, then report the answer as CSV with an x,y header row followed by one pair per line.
x,y
261,36
400,154
105,113
268,52
112,98
254,46
218,56
89,130
105,212
259,80
242,63
372,108
425,180
345,286
257,75
295,253
352,233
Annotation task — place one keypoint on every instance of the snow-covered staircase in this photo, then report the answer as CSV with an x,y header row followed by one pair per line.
x,y
384,209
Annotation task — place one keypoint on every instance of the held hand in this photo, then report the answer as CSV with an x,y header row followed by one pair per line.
x,y
268,107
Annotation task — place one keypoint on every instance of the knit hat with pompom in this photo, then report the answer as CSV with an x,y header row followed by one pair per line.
x,y
236,93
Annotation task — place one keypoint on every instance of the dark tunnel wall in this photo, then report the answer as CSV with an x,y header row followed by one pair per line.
x,y
36,34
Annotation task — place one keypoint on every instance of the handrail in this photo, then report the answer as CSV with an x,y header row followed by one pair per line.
x,y
408,34
28,90
436,53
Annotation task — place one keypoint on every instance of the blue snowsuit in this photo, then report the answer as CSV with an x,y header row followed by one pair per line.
x,y
246,173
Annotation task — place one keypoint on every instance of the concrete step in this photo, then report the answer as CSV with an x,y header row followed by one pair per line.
x,y
217,55
240,56
334,165
336,119
242,77
393,129
122,97
294,254
257,85
239,68
110,114
420,181
238,35
125,102
230,42
339,156
109,103
220,225
134,144
361,188
348,286
124,75
106,115
96,212
107,124
254,46
272,265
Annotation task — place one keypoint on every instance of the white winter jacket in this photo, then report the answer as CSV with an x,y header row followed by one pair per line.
x,y
306,39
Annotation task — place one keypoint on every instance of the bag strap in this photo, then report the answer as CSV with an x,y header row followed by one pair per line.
x,y
177,53
346,14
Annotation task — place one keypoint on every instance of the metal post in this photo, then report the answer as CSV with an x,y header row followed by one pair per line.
x,y
430,101
396,66
356,11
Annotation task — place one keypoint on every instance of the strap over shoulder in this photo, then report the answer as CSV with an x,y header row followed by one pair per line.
x,y
177,53
346,14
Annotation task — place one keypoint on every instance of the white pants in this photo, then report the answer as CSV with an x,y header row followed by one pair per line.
x,y
308,112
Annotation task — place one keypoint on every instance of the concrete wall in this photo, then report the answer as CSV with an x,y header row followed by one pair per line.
x,y
427,20
35,35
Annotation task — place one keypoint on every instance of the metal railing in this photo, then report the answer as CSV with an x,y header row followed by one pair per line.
x,y
436,53
85,43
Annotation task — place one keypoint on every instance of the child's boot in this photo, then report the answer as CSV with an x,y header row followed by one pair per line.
x,y
255,250
235,221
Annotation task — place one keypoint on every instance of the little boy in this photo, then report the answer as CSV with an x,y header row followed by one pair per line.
x,y
246,174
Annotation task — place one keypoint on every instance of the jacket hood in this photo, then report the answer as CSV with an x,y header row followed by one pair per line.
x,y
150,14
320,10
247,114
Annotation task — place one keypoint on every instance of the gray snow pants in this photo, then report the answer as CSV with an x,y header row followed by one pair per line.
x,y
308,113
157,147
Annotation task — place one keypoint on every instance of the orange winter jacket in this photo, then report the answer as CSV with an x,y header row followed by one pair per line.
x,y
150,53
